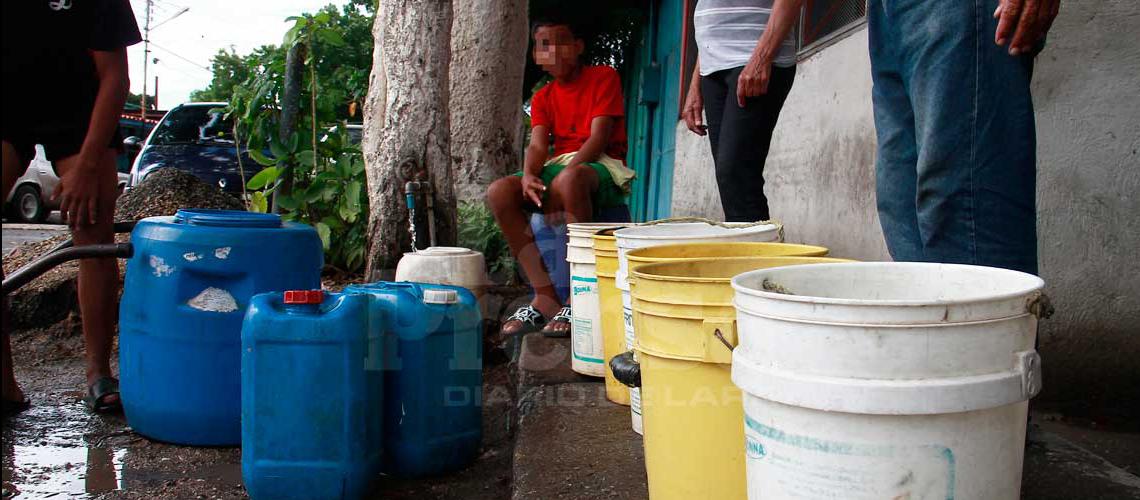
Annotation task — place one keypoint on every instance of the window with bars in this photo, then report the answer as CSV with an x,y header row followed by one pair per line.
x,y
824,20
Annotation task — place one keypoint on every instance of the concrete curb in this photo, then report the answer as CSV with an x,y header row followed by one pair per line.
x,y
33,227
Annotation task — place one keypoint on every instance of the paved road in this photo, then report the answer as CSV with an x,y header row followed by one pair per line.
x,y
15,234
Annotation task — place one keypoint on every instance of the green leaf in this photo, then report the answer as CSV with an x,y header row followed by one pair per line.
x,y
321,18
279,150
287,202
352,195
261,159
294,140
263,178
355,258
325,233
258,203
307,158
332,38
315,192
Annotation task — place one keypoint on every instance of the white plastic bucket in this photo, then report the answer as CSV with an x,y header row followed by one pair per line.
x,y
886,380
586,343
445,266
668,233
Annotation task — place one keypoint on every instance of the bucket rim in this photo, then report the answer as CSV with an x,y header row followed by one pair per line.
x,y
631,233
1037,284
635,255
643,271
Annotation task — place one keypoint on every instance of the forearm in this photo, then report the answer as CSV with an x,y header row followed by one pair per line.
x,y
695,81
591,150
534,159
784,15
104,121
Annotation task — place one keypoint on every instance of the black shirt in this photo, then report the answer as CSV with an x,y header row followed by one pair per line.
x,y
47,53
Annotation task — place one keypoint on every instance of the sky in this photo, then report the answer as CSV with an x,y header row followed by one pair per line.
x,y
184,44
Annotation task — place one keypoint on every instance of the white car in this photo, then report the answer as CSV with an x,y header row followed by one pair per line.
x,y
30,199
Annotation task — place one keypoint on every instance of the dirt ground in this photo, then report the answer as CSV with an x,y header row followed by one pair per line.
x,y
58,449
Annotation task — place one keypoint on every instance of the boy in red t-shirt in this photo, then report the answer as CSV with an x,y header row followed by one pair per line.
x,y
582,110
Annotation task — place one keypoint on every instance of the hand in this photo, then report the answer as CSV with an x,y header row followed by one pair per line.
x,y
1023,23
692,112
78,193
753,79
533,189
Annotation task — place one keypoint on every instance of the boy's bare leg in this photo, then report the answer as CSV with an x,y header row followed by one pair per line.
x,y
570,201
12,170
508,205
571,195
98,278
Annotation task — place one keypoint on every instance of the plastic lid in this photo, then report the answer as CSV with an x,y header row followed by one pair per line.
x,y
226,218
438,296
304,296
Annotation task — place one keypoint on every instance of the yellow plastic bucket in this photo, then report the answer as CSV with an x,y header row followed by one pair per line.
x,y
698,251
693,416
609,301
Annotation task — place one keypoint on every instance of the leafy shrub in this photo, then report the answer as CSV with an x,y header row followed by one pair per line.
x,y
478,231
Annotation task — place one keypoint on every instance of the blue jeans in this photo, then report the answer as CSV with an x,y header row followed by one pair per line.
x,y
956,169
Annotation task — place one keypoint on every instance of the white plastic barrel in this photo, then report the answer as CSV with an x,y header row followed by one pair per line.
x,y
445,266
587,356
886,380
652,234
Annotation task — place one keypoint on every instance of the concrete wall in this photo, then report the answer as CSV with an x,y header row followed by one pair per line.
x,y
1087,94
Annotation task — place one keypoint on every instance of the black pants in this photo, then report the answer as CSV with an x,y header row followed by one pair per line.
x,y
740,139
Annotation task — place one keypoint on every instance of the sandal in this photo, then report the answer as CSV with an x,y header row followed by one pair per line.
x,y
525,320
562,318
98,393
14,407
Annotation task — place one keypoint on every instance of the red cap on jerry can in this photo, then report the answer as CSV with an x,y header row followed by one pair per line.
x,y
304,297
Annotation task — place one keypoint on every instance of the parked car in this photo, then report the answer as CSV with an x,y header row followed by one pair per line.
x,y
30,199
194,137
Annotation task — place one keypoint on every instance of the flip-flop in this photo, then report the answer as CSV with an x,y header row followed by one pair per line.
x,y
529,319
98,392
14,407
562,318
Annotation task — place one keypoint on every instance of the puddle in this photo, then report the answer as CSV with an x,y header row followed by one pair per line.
x,y
46,454
57,450
61,472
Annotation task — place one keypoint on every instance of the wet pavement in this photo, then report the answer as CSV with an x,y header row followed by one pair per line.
x,y
57,449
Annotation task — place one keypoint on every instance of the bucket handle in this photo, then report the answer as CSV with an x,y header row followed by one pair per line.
x,y
723,330
1039,305
720,337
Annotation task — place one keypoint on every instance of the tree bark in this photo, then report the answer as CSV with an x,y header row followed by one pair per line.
x,y
406,126
487,63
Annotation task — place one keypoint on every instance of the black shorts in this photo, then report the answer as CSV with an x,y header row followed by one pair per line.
x,y
60,138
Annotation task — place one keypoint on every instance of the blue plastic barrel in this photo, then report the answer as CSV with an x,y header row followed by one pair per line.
x,y
312,396
185,295
434,376
552,240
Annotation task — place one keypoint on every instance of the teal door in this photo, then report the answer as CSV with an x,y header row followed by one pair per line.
x,y
653,115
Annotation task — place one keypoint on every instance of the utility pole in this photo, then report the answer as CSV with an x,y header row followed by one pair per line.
x,y
146,56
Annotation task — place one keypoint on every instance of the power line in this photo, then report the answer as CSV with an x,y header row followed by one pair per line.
x,y
175,54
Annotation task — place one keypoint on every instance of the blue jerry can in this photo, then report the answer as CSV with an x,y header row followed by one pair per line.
x,y
185,295
312,396
433,383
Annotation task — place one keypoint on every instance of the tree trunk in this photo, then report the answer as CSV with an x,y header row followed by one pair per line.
x,y
290,109
487,64
406,126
